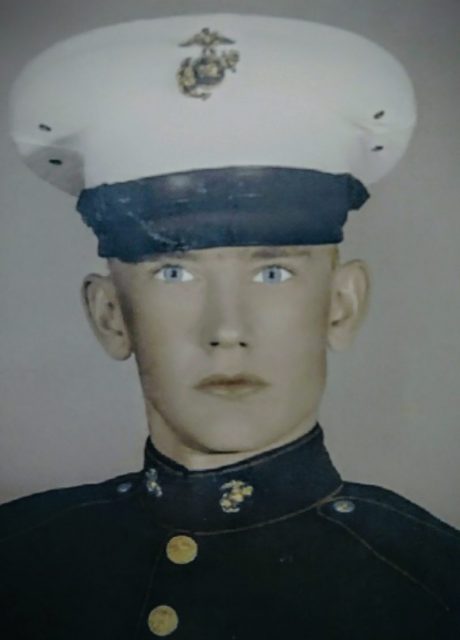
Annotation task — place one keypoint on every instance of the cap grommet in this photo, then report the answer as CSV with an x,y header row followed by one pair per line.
x,y
377,147
55,161
44,127
379,114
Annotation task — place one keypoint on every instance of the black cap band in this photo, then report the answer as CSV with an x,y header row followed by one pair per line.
x,y
235,206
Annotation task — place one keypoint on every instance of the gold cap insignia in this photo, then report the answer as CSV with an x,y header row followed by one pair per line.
x,y
197,76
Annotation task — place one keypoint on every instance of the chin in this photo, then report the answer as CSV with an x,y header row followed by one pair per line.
x,y
234,439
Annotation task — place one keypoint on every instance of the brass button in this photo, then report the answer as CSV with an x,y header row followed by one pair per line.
x,y
181,549
343,506
162,620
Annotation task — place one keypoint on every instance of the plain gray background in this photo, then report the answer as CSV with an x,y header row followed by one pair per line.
x,y
391,413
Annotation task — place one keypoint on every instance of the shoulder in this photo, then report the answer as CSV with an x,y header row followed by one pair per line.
x,y
388,504
28,514
402,535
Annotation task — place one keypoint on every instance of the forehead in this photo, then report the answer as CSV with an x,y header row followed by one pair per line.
x,y
241,254
237,253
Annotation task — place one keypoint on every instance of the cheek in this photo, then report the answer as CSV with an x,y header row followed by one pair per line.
x,y
292,345
162,339
299,321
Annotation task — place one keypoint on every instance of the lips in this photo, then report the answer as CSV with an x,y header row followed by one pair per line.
x,y
237,385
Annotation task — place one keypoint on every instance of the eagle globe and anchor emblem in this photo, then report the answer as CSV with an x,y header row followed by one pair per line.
x,y
197,76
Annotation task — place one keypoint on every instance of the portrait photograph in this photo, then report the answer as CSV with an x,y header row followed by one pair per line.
x,y
229,319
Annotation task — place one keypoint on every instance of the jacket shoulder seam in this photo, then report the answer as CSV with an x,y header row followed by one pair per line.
x,y
55,516
388,562
409,516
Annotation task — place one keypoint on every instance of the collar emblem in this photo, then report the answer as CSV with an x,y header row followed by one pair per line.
x,y
151,482
235,493
197,76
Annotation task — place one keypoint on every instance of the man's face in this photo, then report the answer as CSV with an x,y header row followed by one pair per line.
x,y
258,315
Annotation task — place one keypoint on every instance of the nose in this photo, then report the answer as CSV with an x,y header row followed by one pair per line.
x,y
227,338
224,323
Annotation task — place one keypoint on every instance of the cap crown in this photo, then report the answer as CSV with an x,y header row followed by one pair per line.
x,y
107,106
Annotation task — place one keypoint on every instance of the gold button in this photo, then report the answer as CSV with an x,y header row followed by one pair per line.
x,y
162,620
182,549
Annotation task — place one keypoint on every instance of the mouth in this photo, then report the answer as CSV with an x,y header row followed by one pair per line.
x,y
231,386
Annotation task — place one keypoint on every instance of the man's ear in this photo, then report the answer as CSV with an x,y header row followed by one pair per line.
x,y
349,299
105,316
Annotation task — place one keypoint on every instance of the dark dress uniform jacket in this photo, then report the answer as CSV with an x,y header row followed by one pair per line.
x,y
275,547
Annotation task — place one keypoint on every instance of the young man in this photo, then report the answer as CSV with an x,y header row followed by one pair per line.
x,y
218,180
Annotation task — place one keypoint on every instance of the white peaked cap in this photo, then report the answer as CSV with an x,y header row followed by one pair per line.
x,y
105,107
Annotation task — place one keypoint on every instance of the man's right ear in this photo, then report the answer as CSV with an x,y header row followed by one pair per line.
x,y
104,313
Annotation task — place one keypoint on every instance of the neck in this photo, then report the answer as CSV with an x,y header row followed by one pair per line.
x,y
194,456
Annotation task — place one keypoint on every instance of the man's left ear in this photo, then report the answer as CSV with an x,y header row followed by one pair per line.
x,y
349,298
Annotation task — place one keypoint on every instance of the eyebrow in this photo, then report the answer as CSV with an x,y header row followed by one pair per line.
x,y
168,255
265,253
279,252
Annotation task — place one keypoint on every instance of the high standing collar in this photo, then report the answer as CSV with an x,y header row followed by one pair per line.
x,y
267,487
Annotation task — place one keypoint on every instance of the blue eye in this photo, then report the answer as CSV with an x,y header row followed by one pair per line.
x,y
173,273
273,274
